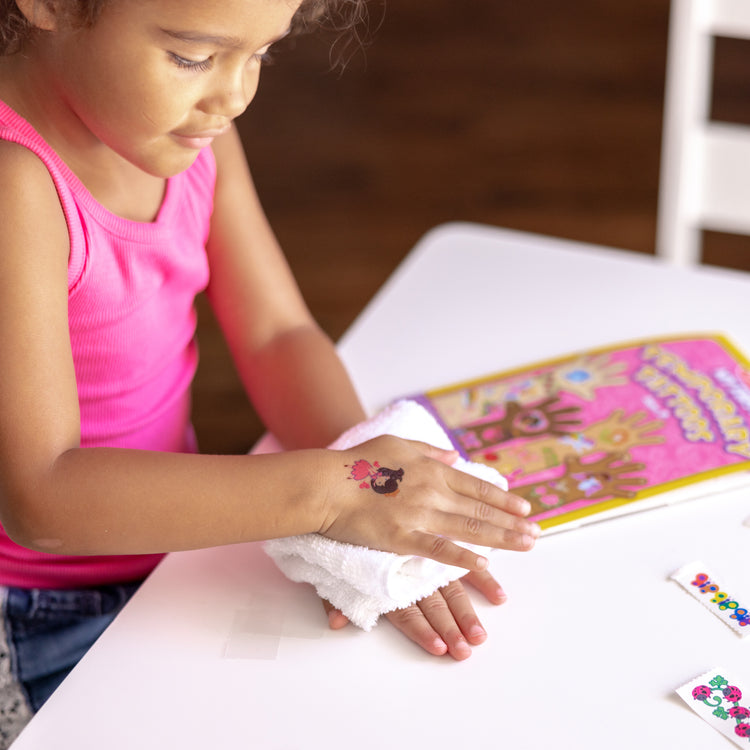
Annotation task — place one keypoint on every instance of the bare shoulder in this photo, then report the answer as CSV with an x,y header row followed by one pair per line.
x,y
30,207
20,163
25,172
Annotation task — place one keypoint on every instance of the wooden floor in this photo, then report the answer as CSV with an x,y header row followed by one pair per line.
x,y
540,116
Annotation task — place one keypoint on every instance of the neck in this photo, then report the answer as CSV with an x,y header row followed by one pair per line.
x,y
28,87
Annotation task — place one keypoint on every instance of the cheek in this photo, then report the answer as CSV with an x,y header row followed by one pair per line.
x,y
131,89
252,82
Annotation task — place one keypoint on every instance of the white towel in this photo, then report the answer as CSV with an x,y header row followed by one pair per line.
x,y
365,583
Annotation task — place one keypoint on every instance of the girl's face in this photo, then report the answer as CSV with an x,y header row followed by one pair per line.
x,y
156,80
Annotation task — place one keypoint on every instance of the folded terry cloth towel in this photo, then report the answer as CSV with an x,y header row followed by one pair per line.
x,y
365,583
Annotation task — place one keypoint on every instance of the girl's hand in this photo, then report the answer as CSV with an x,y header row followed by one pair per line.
x,y
444,622
402,496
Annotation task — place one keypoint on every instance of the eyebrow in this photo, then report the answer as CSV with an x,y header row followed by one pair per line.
x,y
229,42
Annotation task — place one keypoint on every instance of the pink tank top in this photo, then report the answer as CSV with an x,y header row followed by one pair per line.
x,y
131,288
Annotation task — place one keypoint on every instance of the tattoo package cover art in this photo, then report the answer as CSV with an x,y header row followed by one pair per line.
x,y
609,431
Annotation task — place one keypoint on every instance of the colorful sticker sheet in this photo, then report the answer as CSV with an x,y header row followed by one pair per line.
x,y
722,699
608,430
711,590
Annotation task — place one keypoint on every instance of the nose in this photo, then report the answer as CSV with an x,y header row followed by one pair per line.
x,y
231,92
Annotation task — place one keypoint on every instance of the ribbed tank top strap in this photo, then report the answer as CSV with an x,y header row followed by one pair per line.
x,y
15,129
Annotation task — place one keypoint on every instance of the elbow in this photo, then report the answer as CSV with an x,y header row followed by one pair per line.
x,y
36,508
17,529
32,538
24,524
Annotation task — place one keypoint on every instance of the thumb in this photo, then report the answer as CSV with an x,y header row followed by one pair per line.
x,y
447,456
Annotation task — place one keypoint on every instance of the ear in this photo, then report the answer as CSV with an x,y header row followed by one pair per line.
x,y
41,14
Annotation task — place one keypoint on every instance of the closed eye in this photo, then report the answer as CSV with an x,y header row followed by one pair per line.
x,y
196,65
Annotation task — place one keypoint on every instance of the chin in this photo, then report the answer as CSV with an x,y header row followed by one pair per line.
x,y
168,165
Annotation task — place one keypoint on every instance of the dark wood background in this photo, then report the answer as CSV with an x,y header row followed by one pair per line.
x,y
540,116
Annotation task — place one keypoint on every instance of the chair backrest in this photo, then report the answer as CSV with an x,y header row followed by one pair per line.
x,y
705,165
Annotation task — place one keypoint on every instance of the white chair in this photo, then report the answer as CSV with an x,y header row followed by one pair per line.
x,y
705,167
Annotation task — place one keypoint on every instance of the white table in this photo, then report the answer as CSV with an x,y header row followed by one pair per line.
x,y
218,650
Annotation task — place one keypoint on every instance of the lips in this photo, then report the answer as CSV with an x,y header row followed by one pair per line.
x,y
199,140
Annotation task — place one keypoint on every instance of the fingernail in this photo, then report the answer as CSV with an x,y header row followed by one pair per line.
x,y
462,649
536,529
527,540
482,563
477,631
439,645
526,507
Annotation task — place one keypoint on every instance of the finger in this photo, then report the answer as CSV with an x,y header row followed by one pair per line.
x,y
413,624
487,493
492,529
452,617
482,506
485,583
442,550
336,618
462,611
443,455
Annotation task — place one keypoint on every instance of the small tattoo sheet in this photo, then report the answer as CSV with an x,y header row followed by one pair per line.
x,y
712,591
722,699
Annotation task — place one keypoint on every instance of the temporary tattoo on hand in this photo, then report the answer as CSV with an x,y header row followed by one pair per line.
x,y
381,479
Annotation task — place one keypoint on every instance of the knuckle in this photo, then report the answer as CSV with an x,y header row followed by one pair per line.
x,y
484,512
454,593
483,490
438,546
433,606
473,526
407,616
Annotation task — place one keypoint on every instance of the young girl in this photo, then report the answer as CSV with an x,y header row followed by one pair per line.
x,y
125,192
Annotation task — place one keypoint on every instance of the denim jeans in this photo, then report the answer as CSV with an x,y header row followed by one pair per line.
x,y
44,634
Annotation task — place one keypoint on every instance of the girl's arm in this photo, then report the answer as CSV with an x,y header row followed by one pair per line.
x,y
290,368
288,365
58,497
55,496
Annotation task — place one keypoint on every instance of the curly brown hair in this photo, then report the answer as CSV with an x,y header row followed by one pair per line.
x,y
342,15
